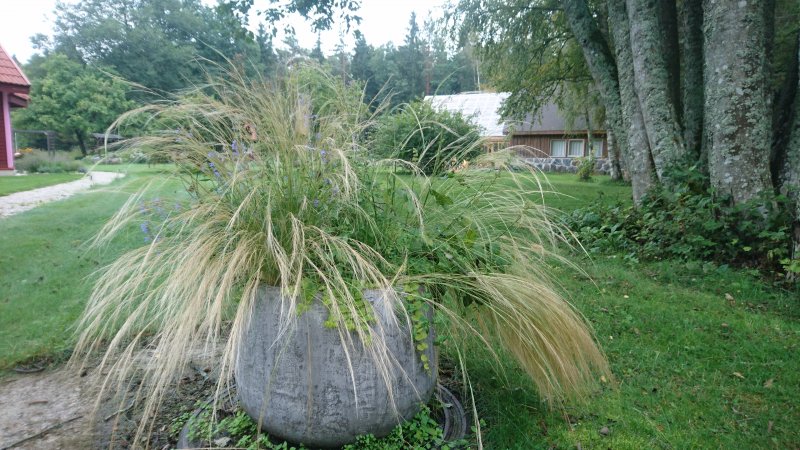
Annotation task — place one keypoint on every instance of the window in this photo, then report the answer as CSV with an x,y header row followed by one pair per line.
x,y
575,148
597,148
558,148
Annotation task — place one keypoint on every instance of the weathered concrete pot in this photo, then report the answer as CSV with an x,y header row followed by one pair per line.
x,y
300,386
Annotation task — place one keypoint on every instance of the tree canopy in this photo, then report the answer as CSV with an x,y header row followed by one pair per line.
x,y
73,100
154,43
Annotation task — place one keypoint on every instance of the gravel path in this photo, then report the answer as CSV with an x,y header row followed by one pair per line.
x,y
23,201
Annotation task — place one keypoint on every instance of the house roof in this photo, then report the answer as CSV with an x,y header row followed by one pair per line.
x,y
547,121
10,73
19,100
482,107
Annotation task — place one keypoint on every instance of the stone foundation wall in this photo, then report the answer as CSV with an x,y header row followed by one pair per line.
x,y
601,165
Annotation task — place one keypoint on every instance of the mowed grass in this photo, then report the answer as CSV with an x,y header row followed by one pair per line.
x,y
694,367
47,269
12,184
564,192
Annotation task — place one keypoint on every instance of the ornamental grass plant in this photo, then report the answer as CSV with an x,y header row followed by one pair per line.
x,y
284,192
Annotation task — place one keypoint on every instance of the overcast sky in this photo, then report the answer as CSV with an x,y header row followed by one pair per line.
x,y
383,21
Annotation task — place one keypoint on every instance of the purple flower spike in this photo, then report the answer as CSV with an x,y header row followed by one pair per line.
x,y
214,169
316,203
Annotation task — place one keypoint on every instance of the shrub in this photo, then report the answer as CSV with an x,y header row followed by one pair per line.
x,y
39,161
690,223
585,168
432,140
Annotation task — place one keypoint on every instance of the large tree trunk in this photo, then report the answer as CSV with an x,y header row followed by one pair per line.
x,y
603,69
737,113
652,80
690,23
638,161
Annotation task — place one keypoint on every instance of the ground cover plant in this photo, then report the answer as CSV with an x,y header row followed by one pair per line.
x,y
235,429
282,193
676,344
10,185
693,223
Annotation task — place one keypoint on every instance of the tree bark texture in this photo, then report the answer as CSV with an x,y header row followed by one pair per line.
x,y
618,162
639,163
690,25
651,80
737,116
602,67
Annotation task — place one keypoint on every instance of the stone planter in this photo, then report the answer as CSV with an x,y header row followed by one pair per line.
x,y
301,388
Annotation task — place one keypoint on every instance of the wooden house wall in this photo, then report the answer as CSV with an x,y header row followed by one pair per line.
x,y
5,163
538,145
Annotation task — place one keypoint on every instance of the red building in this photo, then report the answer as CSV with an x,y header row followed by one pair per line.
x,y
14,89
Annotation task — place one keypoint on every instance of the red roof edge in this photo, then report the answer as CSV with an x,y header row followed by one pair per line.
x,y
21,73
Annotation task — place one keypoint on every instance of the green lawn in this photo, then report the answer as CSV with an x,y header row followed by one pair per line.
x,y
9,185
694,367
567,193
47,270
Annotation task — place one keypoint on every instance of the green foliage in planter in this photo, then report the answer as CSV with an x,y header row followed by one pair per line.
x,y
286,191
238,430
690,223
432,140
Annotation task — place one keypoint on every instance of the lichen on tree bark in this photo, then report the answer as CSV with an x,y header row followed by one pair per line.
x,y
651,80
737,116
639,163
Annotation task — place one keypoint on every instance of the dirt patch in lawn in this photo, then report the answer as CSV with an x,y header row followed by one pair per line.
x,y
45,410
56,409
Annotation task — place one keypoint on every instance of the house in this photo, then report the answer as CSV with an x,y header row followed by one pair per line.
x,y
542,140
14,90
545,141
482,108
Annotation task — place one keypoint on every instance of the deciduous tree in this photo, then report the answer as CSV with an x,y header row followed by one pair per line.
x,y
73,100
